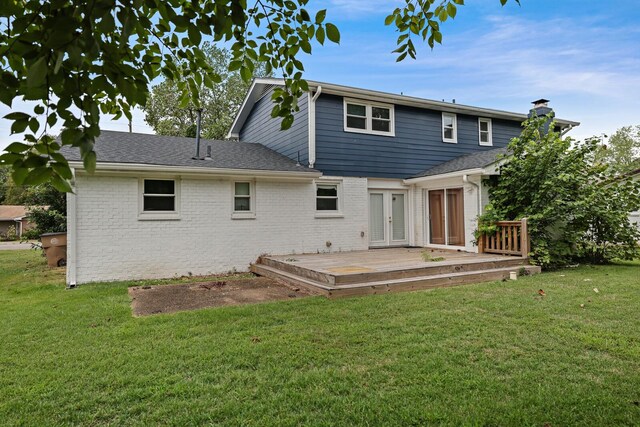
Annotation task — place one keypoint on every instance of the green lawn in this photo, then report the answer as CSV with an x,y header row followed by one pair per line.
x,y
489,354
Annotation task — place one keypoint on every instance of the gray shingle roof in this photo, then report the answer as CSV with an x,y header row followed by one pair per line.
x,y
469,161
137,148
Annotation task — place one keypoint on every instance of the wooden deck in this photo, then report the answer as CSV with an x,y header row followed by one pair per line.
x,y
387,270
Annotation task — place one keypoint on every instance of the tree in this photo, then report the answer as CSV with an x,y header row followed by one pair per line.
x,y
577,209
47,210
622,151
79,60
219,104
10,193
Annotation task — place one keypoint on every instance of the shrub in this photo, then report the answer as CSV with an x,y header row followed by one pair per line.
x,y
577,207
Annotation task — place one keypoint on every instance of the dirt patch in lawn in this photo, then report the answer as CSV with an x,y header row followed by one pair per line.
x,y
146,300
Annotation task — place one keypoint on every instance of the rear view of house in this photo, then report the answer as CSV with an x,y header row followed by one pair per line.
x,y
358,169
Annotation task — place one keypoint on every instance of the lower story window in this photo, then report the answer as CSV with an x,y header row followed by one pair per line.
x,y
242,197
159,195
327,197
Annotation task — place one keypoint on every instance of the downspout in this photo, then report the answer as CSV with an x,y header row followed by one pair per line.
x,y
465,179
312,125
72,235
198,124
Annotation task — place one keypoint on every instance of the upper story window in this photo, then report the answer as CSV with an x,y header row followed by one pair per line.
x,y
367,117
485,132
449,128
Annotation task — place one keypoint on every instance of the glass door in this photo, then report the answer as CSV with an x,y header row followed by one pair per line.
x,y
446,217
436,217
377,223
387,218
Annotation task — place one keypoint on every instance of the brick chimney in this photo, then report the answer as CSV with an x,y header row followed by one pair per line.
x,y
541,109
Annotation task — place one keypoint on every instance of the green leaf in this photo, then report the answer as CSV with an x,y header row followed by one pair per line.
x,y
17,147
320,16
194,35
19,126
89,161
287,121
246,74
38,176
451,10
389,19
63,170
17,116
332,33
61,184
37,73
19,174
320,35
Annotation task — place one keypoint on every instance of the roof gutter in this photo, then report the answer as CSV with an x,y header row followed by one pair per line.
x,y
139,167
372,95
456,174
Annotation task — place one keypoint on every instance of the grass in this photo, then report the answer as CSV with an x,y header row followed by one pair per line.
x,y
488,354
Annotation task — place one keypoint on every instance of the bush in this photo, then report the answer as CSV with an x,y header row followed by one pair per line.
x,y
577,207
10,234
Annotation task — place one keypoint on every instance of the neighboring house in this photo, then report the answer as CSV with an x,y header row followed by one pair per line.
x,y
14,216
358,169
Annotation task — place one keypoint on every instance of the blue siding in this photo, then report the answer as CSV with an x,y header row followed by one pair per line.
x,y
417,144
262,129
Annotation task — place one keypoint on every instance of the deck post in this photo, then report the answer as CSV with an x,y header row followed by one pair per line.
x,y
524,238
481,239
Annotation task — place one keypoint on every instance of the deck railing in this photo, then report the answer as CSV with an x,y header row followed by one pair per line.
x,y
510,238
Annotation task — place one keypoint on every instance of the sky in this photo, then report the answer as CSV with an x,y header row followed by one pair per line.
x,y
583,55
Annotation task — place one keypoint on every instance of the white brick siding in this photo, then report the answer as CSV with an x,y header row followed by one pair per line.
x,y
112,244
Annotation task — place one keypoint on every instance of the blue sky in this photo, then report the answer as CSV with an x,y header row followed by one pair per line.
x,y
583,55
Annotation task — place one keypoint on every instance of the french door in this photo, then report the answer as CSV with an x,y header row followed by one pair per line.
x,y
446,217
388,218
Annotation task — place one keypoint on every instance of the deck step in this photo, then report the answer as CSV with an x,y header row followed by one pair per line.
x,y
290,278
437,268
393,284
428,282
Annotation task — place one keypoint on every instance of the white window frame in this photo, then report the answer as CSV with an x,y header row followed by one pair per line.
x,y
159,215
328,214
251,213
369,117
489,142
453,140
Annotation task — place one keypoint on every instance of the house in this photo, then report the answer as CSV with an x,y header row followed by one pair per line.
x,y
14,216
358,169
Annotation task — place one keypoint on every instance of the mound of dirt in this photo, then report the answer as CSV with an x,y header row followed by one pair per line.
x,y
146,300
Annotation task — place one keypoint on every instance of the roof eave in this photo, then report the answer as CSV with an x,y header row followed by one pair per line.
x,y
455,174
373,95
192,170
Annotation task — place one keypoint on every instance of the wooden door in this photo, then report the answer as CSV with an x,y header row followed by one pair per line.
x,y
455,217
436,217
